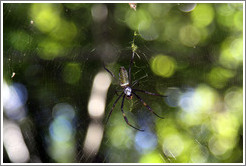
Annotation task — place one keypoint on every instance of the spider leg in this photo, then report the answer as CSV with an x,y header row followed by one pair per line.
x,y
149,93
116,92
109,72
113,107
137,81
124,115
147,106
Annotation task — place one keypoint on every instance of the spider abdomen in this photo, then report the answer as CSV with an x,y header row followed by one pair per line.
x,y
128,91
123,77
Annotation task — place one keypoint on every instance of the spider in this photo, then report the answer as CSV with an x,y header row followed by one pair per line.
x,y
129,91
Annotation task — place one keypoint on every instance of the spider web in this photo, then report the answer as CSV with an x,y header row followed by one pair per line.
x,y
51,71
53,115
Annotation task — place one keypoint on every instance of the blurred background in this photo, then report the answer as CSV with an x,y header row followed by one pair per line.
x,y
56,94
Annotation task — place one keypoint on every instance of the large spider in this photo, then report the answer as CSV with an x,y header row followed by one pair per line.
x,y
128,91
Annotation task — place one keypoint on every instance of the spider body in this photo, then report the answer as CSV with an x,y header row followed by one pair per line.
x,y
128,91
124,82
123,77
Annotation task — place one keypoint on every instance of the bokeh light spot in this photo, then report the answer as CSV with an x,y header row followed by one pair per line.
x,y
71,73
152,157
61,133
238,20
135,18
50,49
61,129
14,143
225,9
155,9
20,40
122,139
99,12
234,99
187,7
197,105
145,141
228,17
218,76
202,15
189,35
14,100
45,16
163,65
199,154
226,125
186,100
231,52
219,146
173,94
148,31
66,32
62,152
63,109
173,145
236,49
